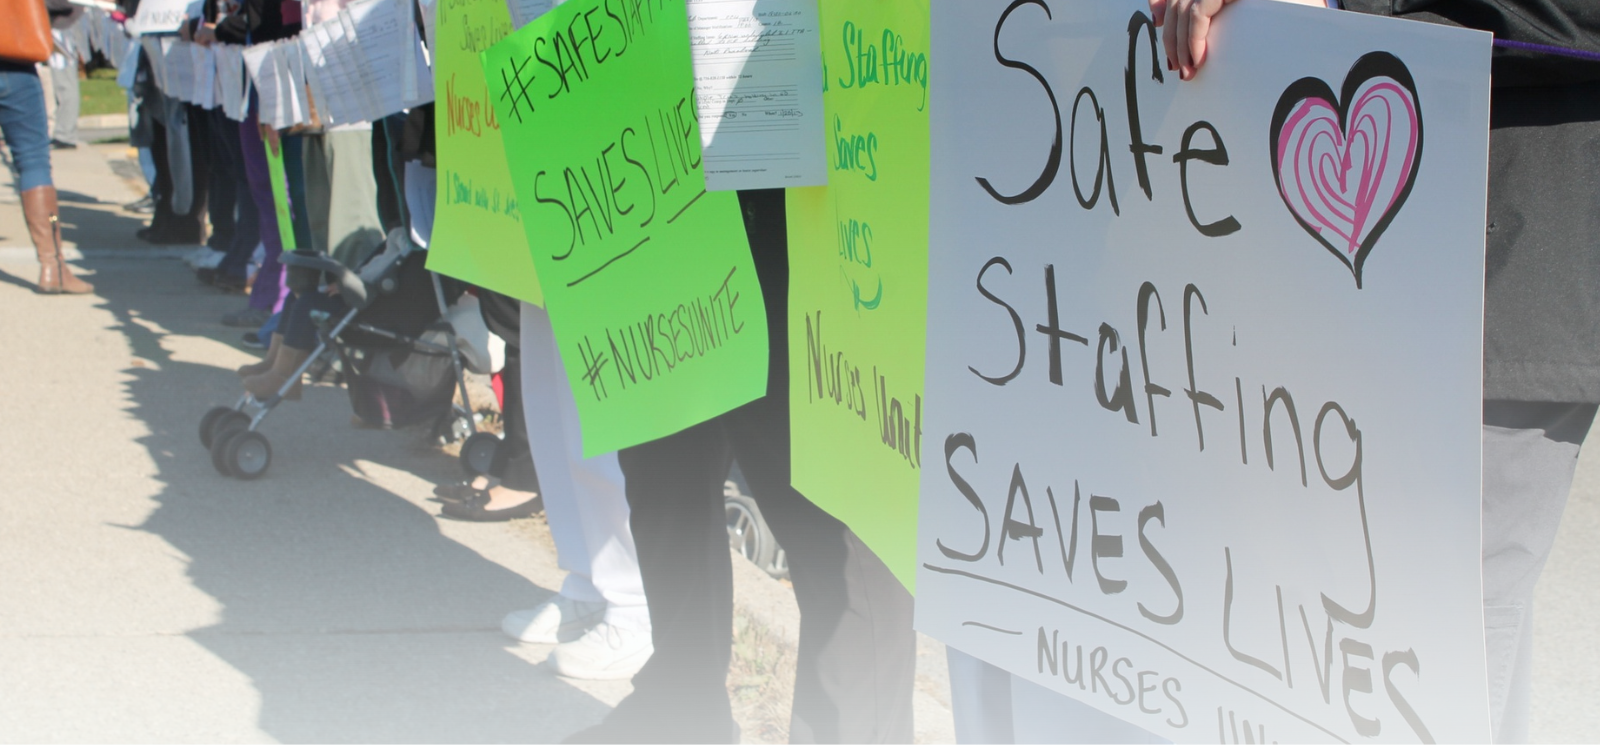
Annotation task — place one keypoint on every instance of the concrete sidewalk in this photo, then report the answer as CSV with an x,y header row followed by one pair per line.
x,y
147,598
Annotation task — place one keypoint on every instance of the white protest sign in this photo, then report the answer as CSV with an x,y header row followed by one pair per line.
x,y
1204,367
158,16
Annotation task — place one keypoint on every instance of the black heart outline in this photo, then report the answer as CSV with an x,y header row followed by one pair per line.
x,y
1369,66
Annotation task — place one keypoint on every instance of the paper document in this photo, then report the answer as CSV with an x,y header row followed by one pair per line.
x,y
523,11
758,83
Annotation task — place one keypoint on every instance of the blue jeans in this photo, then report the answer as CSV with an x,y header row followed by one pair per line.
x,y
23,123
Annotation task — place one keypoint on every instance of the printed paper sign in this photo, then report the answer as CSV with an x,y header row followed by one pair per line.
x,y
1204,381
858,281
758,86
648,277
477,231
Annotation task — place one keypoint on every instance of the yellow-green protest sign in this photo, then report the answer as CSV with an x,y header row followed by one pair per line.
x,y
477,228
858,282
648,277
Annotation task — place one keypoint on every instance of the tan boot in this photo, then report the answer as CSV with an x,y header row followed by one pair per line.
x,y
44,226
284,364
265,364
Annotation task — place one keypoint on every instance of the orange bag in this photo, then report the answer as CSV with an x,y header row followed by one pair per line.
x,y
25,34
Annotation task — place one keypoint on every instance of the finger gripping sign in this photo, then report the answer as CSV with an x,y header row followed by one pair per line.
x,y
647,276
1203,384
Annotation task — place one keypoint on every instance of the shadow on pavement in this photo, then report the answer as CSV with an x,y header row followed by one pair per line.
x,y
353,616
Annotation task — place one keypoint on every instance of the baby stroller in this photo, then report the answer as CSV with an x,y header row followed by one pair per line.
x,y
396,377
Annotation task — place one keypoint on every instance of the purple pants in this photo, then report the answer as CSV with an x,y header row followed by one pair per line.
x,y
269,289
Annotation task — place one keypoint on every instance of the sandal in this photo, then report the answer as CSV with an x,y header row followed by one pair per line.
x,y
472,509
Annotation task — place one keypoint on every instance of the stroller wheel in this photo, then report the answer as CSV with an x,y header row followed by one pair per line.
x,y
248,455
478,452
213,422
219,449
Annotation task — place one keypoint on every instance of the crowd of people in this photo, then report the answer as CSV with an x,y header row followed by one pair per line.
x,y
642,533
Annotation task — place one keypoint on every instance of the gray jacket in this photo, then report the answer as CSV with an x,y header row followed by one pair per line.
x,y
1542,284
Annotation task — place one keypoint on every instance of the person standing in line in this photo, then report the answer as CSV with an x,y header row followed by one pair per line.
x,y
599,620
857,655
26,131
1541,320
63,64
256,22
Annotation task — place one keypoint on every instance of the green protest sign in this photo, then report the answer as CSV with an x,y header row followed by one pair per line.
x,y
858,282
280,196
477,228
647,276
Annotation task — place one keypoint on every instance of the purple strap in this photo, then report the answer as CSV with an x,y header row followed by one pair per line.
x,y
1546,49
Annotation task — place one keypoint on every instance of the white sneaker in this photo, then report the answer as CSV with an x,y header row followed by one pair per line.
x,y
557,620
605,653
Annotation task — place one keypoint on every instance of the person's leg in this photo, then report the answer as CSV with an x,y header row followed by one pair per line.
x,y
299,341
587,508
200,164
147,166
584,497
1530,451
294,170
162,219
857,656
235,267
422,191
674,489
354,230
180,163
266,295
513,459
22,122
315,167
64,80
221,197
387,174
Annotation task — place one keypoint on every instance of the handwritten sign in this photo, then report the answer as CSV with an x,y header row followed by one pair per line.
x,y
858,281
158,17
1204,368
478,234
648,277
757,71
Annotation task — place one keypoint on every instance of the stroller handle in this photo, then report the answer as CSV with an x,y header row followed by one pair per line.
x,y
350,284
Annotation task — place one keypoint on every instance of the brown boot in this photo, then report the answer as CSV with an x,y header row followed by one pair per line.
x,y
44,226
257,368
266,384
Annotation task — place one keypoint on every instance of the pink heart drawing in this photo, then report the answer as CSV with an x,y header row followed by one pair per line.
x,y
1344,165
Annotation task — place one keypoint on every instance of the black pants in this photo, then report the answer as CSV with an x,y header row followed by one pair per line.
x,y
857,656
226,163
513,460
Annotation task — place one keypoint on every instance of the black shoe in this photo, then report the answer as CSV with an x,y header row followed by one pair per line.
x,y
63,144
252,340
472,509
